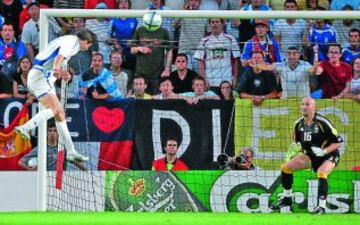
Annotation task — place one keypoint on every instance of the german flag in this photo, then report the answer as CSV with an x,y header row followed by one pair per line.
x,y
12,145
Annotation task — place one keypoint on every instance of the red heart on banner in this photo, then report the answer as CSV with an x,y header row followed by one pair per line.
x,y
108,120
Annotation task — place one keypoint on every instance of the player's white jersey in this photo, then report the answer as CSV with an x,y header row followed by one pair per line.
x,y
66,46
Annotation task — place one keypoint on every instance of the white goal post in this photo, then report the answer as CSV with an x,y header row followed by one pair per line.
x,y
46,13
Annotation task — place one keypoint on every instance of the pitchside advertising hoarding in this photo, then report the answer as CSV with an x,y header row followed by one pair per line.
x,y
132,133
225,191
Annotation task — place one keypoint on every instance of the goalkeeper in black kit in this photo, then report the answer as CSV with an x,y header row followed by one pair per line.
x,y
320,144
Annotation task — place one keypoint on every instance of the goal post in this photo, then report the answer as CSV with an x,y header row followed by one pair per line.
x,y
101,13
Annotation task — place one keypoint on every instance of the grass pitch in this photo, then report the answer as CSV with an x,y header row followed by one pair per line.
x,y
104,218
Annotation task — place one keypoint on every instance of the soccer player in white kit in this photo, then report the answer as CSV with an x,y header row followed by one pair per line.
x,y
46,70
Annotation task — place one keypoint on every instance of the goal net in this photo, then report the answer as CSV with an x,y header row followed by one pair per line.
x,y
123,138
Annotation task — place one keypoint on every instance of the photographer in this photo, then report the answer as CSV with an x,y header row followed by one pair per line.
x,y
242,161
246,163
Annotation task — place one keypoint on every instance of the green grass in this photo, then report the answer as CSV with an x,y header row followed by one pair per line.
x,y
55,218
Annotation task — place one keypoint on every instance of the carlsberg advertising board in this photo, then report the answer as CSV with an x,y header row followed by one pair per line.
x,y
225,191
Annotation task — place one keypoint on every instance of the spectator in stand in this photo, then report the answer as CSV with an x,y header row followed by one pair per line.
x,y
170,162
122,30
199,90
149,48
294,74
289,32
335,76
312,4
166,89
319,33
353,49
192,30
9,46
91,4
10,10
182,77
218,55
19,84
226,91
261,42
344,26
51,152
24,15
139,87
256,84
167,23
354,92
121,78
232,25
101,28
246,28
339,4
67,4
98,83
30,34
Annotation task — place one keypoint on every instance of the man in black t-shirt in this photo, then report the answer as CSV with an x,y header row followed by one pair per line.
x,y
320,143
256,84
182,77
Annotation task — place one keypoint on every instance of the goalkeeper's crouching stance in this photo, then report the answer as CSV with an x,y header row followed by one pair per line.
x,y
319,142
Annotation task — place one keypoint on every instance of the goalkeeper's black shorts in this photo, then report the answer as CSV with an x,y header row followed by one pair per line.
x,y
317,161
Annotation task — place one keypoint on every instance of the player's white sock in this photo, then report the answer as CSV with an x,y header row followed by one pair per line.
x,y
288,193
39,118
322,203
65,136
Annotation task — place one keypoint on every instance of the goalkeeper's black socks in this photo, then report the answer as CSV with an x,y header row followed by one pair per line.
x,y
287,180
322,191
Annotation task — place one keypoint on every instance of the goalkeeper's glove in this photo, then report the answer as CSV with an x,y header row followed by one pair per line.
x,y
318,151
293,150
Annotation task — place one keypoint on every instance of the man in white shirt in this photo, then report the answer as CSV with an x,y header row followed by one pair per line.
x,y
218,55
289,32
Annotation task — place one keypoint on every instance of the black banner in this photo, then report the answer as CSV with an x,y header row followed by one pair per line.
x,y
202,130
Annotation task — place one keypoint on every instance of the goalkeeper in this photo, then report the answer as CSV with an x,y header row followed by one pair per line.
x,y
319,143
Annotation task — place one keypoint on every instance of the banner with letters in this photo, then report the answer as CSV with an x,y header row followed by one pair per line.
x,y
268,128
225,191
204,130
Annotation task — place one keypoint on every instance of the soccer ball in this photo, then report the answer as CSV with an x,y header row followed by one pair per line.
x,y
152,21
32,162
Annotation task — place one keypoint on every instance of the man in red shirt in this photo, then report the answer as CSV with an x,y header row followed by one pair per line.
x,y
170,161
335,75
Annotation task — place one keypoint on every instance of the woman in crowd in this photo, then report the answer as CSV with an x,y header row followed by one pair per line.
x,y
355,81
226,91
20,89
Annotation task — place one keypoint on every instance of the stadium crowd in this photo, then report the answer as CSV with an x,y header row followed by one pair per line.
x,y
260,59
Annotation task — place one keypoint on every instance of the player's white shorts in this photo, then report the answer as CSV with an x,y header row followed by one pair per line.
x,y
40,83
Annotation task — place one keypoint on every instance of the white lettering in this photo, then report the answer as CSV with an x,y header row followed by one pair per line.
x,y
176,117
216,133
258,133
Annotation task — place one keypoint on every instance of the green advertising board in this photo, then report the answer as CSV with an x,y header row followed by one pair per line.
x,y
268,128
225,191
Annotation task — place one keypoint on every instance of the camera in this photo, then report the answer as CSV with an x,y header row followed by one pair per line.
x,y
226,162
